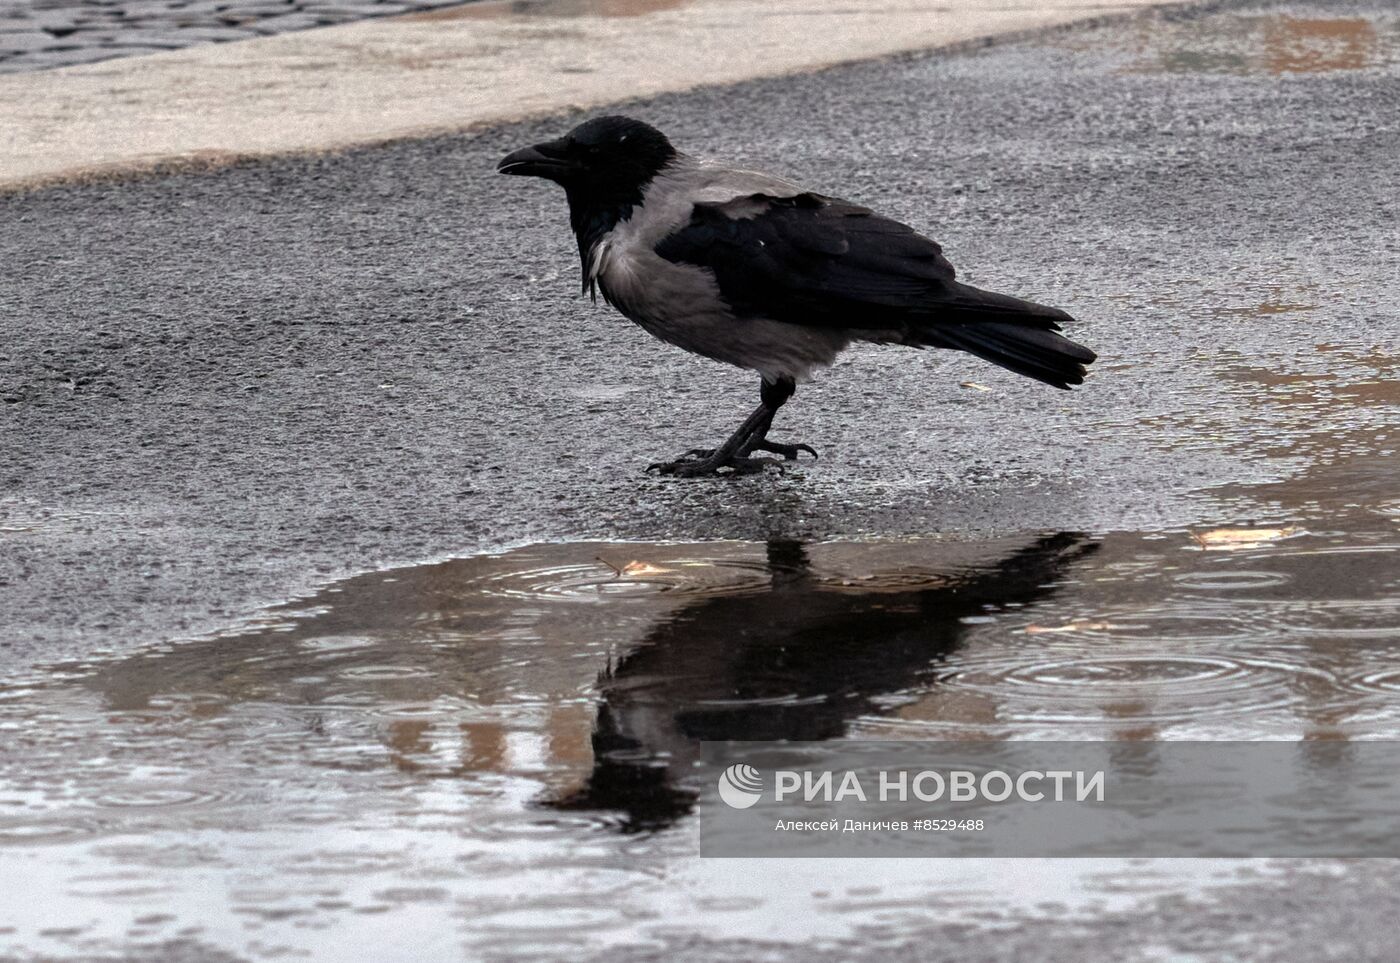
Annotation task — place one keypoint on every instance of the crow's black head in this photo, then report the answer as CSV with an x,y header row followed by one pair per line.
x,y
605,156
604,165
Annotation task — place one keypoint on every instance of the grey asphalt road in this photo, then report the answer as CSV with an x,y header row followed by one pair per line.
x,y
221,390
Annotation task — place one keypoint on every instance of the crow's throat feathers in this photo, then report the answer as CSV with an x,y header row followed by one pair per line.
x,y
646,211
593,220
599,203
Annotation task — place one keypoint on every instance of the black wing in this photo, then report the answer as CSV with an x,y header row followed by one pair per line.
x,y
811,260
815,260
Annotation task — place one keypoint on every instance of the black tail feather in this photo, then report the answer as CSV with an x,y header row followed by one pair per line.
x,y
1033,352
1017,335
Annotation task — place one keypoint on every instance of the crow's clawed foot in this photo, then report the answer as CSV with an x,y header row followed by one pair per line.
x,y
700,463
789,452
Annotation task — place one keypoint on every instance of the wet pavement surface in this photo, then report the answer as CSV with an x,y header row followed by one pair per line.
x,y
262,383
41,34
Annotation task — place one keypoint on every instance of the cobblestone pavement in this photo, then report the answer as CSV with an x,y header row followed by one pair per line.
x,y
39,34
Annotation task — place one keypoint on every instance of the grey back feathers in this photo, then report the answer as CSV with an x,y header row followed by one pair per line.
x,y
683,303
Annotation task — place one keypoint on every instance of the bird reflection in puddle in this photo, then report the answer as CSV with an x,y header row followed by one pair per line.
x,y
796,662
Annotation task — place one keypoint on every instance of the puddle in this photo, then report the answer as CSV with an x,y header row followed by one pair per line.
x,y
1266,43
495,753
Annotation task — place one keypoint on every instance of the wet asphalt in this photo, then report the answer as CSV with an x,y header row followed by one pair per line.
x,y
222,390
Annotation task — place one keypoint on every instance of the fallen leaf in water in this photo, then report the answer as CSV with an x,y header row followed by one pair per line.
x,y
973,385
643,568
1077,626
1233,538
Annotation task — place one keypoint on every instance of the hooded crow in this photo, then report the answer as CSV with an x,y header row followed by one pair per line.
x,y
755,271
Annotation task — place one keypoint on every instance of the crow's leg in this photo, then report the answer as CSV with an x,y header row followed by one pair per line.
x,y
774,395
735,453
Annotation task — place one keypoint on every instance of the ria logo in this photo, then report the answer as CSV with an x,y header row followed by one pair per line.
x,y
740,786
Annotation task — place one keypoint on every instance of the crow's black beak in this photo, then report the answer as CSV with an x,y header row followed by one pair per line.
x,y
548,160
